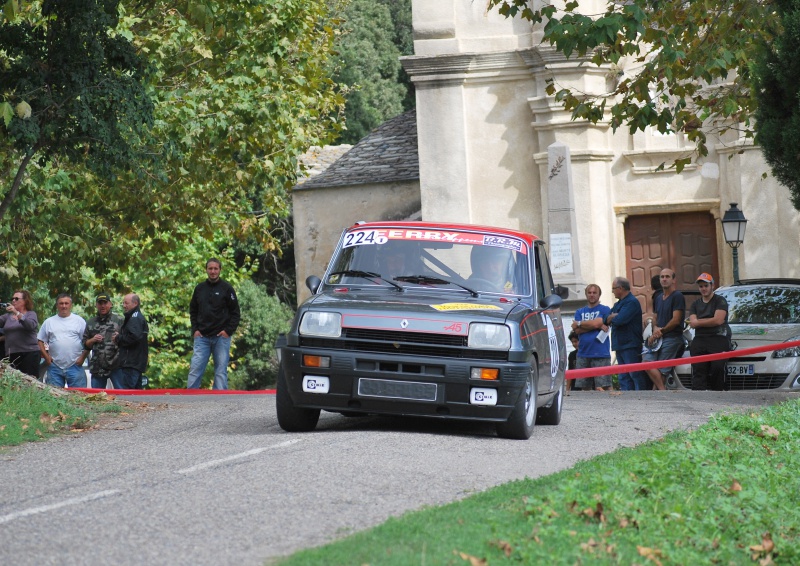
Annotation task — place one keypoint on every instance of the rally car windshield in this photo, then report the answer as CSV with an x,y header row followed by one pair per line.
x,y
456,261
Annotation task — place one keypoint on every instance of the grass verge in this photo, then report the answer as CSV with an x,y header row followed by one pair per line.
x,y
28,413
726,493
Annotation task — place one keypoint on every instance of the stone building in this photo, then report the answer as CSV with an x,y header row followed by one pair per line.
x,y
494,148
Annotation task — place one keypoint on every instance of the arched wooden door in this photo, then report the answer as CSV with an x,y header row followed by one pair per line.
x,y
685,242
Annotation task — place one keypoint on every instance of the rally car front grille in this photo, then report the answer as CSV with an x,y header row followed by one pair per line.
x,y
404,343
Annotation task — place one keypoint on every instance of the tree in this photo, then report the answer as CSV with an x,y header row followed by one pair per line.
x,y
72,89
777,90
239,90
691,61
369,63
255,364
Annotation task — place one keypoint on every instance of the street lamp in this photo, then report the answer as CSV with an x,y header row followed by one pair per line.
x,y
733,227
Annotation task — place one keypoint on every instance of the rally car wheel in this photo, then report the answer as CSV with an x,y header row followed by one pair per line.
x,y
551,414
291,418
519,425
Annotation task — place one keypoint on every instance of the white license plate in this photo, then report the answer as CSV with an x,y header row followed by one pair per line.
x,y
316,384
740,369
483,396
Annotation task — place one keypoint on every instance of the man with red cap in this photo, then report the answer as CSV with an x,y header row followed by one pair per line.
x,y
708,315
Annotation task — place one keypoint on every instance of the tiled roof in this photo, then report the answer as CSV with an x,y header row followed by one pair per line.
x,y
388,153
317,159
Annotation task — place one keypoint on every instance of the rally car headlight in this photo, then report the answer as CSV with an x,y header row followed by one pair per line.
x,y
788,352
327,324
489,337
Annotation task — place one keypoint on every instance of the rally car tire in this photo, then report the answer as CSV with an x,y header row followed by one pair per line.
x,y
551,414
520,424
291,418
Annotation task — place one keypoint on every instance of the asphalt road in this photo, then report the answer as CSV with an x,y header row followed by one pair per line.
x,y
214,480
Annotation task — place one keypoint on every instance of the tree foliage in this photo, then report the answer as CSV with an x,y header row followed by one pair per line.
x,y
369,50
688,63
777,89
238,90
72,89
264,316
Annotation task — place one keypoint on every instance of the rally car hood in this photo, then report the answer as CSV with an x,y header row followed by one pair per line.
x,y
371,306
759,334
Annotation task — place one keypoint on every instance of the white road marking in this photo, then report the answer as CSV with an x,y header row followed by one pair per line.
x,y
66,503
212,463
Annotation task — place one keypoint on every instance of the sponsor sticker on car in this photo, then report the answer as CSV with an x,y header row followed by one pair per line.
x,y
465,307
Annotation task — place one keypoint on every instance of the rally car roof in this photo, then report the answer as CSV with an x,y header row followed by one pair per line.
x,y
524,236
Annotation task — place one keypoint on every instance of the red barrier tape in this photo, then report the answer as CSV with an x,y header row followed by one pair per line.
x,y
627,368
175,391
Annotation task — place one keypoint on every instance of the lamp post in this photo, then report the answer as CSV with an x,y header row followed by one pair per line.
x,y
733,226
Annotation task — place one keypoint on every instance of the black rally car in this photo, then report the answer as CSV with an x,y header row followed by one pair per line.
x,y
426,319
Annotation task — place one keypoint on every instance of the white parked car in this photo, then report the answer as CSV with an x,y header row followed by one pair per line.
x,y
761,312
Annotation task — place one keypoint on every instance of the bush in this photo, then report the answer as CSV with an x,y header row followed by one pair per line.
x,y
253,361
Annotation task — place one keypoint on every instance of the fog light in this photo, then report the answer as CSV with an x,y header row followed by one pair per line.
x,y
484,373
317,361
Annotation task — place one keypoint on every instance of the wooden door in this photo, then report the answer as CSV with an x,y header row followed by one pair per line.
x,y
684,242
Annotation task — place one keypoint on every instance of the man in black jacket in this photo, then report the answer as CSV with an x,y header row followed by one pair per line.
x,y
133,348
214,312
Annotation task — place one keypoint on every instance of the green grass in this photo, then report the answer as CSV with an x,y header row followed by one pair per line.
x,y
723,494
28,414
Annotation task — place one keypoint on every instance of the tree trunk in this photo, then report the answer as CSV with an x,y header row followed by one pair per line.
x,y
12,193
32,381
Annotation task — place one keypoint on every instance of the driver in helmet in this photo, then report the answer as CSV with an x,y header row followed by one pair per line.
x,y
490,269
393,261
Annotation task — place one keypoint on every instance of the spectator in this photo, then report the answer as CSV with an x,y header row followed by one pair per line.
x,y
132,343
708,315
593,348
61,346
669,307
625,321
572,357
655,286
214,312
19,326
98,338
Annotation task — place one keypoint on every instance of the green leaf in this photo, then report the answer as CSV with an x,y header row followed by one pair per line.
x,y
7,113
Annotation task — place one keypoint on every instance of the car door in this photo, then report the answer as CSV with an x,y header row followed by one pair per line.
x,y
552,353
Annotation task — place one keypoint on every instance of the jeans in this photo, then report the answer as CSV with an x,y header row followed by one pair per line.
x,y
636,380
73,376
101,381
126,378
219,348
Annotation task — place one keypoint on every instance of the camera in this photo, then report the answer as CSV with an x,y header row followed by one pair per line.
x,y
4,305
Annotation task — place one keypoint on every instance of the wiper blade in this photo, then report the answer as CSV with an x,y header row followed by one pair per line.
x,y
366,275
428,280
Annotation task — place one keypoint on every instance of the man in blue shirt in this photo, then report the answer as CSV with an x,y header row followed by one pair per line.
x,y
593,342
669,306
625,321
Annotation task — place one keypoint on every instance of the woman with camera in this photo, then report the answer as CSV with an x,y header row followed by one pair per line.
x,y
19,325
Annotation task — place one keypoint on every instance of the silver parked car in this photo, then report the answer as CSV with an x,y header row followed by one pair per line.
x,y
761,312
